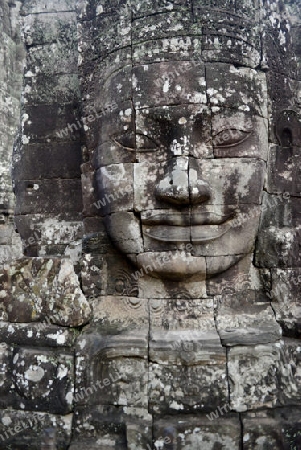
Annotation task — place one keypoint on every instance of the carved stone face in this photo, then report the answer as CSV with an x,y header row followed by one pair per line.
x,y
182,163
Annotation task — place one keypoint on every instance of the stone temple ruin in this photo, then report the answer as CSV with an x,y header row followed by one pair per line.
x,y
150,245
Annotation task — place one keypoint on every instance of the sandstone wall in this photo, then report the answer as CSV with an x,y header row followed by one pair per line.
x,y
11,64
94,354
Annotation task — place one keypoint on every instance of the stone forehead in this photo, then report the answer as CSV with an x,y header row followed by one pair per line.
x,y
187,82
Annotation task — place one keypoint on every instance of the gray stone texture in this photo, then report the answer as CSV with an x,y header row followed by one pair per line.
x,y
150,225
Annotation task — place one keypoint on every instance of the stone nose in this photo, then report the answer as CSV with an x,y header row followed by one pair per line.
x,y
181,185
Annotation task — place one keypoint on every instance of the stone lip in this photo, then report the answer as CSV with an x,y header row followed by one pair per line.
x,y
196,234
185,219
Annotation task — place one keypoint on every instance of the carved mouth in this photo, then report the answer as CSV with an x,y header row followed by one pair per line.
x,y
185,219
194,227
196,234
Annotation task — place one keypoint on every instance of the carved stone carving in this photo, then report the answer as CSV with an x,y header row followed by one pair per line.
x,y
157,182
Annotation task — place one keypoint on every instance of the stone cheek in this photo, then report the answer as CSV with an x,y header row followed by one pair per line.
x,y
157,182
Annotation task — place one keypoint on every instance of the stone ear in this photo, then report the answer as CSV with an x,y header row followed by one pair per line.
x,y
288,129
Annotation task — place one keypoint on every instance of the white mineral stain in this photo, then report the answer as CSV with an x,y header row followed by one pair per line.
x,y
6,421
166,86
69,398
175,405
34,373
99,10
62,372
60,338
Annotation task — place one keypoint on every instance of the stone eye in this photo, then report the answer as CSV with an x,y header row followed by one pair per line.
x,y
125,140
230,137
145,142
131,142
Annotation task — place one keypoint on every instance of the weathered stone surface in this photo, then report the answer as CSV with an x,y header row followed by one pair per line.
x,y
197,431
45,27
171,135
48,235
222,78
51,196
39,289
272,429
189,378
42,334
114,368
22,430
107,427
286,297
54,161
252,376
241,322
44,379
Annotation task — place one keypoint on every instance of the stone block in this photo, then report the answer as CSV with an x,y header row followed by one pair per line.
x,y
121,314
49,88
275,429
42,334
112,369
225,82
112,427
278,247
186,375
109,275
169,83
286,300
57,160
274,54
41,28
5,366
115,125
105,88
230,41
241,322
198,431
115,191
164,25
56,58
179,48
284,170
44,379
252,376
182,315
154,288
23,429
239,134
34,6
48,196
288,371
44,289
145,8
241,277
38,229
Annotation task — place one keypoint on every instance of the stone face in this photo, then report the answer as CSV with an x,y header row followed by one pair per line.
x,y
157,178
